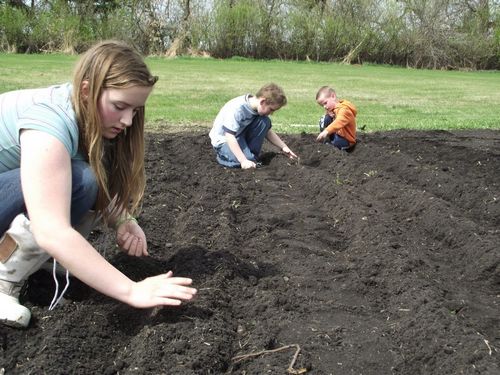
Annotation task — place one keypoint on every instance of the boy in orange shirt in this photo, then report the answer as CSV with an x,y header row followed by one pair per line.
x,y
338,125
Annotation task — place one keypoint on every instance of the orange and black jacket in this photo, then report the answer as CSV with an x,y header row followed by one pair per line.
x,y
344,123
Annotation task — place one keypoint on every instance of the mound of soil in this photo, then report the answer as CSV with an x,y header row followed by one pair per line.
x,y
381,261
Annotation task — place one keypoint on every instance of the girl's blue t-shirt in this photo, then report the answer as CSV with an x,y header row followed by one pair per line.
x,y
233,117
47,109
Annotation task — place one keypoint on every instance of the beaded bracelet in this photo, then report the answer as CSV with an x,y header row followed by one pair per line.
x,y
124,220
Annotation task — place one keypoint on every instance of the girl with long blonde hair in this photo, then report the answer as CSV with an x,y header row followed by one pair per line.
x,y
71,154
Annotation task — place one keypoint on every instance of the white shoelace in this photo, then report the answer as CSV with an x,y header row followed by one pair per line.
x,y
56,299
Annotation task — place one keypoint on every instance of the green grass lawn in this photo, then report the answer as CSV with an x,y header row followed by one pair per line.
x,y
191,91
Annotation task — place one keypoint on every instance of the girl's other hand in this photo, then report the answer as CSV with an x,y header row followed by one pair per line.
x,y
161,290
131,238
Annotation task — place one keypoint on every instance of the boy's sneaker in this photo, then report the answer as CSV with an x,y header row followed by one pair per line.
x,y
350,149
12,313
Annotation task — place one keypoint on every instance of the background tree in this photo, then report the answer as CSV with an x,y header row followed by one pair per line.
x,y
449,34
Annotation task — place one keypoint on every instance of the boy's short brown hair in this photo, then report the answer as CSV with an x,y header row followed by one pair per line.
x,y
273,94
324,90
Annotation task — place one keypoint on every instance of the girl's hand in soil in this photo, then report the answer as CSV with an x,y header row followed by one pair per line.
x,y
247,164
131,238
289,153
161,290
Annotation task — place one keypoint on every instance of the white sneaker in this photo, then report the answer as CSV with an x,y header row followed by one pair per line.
x,y
12,313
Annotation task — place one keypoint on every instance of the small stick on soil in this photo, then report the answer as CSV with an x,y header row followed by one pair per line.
x,y
290,368
488,345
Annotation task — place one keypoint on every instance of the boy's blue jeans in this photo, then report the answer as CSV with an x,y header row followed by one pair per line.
x,y
335,139
83,194
339,142
250,141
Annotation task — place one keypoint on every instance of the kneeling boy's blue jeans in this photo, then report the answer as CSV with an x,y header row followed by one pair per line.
x,y
83,194
250,141
339,142
335,139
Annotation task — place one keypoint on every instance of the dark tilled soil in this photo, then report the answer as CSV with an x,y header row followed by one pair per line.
x,y
381,261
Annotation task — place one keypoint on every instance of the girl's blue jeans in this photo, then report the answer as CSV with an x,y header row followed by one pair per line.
x,y
83,194
250,141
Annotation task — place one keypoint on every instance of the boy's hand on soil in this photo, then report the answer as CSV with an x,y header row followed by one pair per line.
x,y
247,164
131,238
161,290
289,153
322,136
